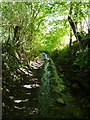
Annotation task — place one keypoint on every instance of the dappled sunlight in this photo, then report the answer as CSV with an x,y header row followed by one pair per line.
x,y
34,111
34,79
31,86
19,108
28,93
45,60
19,101
37,64
26,72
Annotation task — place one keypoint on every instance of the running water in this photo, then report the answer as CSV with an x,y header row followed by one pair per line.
x,y
45,91
45,100
53,103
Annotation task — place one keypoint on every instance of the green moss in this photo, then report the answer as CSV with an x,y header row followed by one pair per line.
x,y
60,100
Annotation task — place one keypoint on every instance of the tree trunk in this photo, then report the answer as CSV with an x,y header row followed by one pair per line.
x,y
16,33
70,38
70,13
78,37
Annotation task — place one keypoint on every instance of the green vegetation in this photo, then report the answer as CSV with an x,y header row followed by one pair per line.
x,y
59,29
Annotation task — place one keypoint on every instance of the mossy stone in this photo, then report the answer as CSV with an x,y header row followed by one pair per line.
x,y
60,101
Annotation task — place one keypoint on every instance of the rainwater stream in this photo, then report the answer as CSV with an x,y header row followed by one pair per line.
x,y
52,103
45,92
41,97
